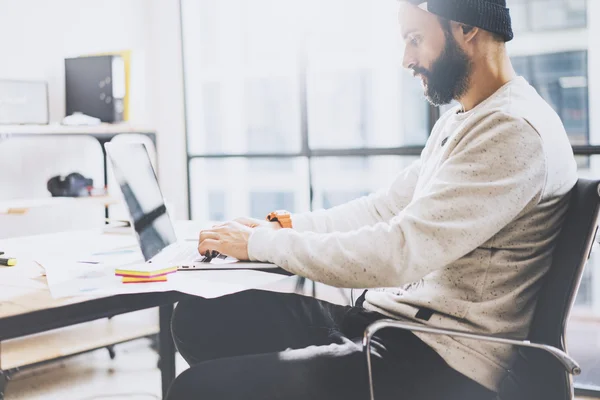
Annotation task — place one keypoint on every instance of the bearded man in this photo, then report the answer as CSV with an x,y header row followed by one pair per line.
x,y
460,240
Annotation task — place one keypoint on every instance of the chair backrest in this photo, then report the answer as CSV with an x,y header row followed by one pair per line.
x,y
539,372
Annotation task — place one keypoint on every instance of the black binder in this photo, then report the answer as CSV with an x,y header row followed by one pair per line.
x,y
95,86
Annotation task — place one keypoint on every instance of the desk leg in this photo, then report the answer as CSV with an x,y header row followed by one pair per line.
x,y
3,382
105,164
166,348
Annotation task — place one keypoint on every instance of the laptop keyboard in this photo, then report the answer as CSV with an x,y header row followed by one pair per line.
x,y
178,254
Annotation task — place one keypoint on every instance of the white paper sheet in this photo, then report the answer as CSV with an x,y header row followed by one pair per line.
x,y
83,264
67,279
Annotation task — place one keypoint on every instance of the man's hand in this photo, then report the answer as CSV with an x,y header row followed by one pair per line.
x,y
230,239
256,223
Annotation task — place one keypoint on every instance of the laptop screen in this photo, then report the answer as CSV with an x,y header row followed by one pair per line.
x,y
137,180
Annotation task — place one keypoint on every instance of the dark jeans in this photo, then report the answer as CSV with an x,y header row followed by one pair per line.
x,y
266,346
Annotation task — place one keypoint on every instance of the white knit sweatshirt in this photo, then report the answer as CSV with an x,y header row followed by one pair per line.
x,y
467,231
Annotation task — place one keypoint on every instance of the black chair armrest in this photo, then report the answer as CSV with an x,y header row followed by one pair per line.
x,y
567,362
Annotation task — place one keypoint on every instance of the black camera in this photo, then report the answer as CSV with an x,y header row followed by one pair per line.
x,y
73,185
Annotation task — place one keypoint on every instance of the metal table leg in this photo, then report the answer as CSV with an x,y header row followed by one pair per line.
x,y
166,348
3,382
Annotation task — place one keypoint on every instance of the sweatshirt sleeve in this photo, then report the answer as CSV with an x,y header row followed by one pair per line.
x,y
365,211
495,173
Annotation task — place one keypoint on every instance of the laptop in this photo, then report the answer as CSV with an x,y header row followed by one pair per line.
x,y
150,219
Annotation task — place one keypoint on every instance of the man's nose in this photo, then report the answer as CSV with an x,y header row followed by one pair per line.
x,y
408,61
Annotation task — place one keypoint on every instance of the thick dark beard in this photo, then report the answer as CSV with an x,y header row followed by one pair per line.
x,y
450,74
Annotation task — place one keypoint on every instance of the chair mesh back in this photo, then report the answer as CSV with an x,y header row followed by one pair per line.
x,y
568,260
536,374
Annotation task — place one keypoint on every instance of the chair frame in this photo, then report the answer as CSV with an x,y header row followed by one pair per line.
x,y
569,364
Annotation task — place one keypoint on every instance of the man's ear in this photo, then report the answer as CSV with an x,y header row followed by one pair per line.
x,y
468,32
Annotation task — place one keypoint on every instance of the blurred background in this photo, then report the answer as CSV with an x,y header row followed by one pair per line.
x,y
276,104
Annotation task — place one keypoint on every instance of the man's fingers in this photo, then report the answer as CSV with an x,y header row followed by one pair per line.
x,y
208,245
204,235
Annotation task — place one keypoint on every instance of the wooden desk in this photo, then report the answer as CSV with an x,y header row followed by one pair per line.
x,y
26,307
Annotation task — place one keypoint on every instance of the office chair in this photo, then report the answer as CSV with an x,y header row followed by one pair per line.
x,y
542,369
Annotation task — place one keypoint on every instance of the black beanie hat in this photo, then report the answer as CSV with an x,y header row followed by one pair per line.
x,y
490,15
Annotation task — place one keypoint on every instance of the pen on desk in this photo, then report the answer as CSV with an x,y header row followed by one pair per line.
x,y
1,252
9,262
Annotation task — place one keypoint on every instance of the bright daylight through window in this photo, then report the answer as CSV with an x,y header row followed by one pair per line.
x,y
277,78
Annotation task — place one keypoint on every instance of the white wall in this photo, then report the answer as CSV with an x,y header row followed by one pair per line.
x,y
35,37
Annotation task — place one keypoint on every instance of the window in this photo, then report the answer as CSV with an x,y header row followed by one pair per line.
x,y
332,188
216,205
223,189
562,80
242,86
338,109
262,203
358,94
543,15
272,115
279,99
283,95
